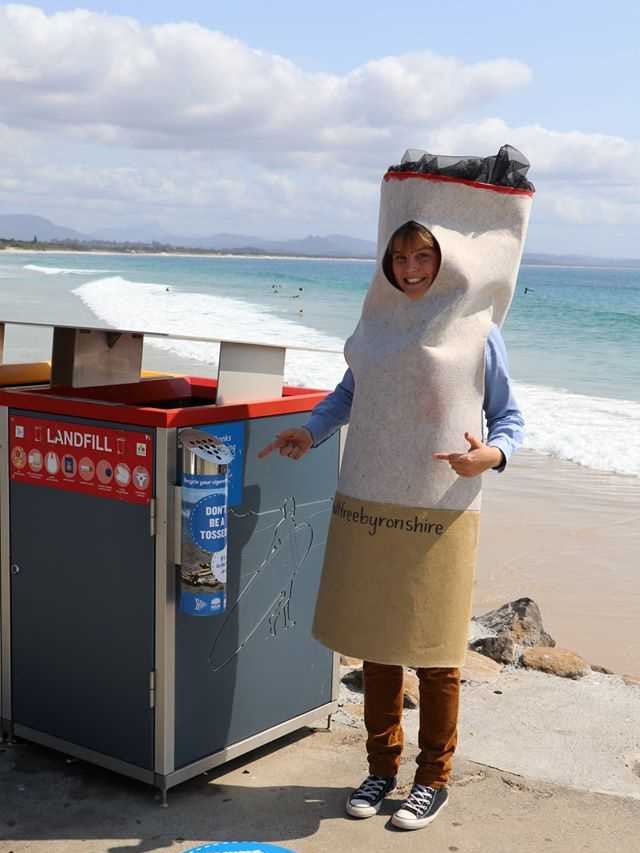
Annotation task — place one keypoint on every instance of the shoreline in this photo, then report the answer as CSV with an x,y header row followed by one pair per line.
x,y
270,257
202,254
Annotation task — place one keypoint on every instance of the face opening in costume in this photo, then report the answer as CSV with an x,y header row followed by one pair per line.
x,y
412,260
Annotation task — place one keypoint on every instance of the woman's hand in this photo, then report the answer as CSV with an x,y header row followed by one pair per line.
x,y
293,443
478,458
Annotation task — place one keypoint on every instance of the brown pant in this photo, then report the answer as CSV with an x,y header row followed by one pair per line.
x,y
438,737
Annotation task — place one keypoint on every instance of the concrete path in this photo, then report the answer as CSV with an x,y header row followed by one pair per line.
x,y
293,794
583,733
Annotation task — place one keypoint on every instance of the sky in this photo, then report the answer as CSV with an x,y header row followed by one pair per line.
x,y
278,119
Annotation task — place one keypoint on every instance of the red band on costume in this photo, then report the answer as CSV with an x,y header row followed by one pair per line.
x,y
402,176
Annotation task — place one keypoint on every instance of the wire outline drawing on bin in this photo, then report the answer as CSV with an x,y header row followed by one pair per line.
x,y
284,544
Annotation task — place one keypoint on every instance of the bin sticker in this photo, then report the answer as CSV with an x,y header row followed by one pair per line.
x,y
231,435
79,457
203,571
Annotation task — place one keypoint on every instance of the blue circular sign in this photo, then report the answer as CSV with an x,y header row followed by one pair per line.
x,y
239,847
209,522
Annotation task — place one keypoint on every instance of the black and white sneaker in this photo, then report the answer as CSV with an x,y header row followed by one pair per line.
x,y
367,799
421,807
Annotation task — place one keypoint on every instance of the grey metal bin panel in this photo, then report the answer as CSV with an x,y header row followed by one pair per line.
x,y
256,665
82,612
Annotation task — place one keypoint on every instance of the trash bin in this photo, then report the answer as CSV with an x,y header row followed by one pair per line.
x,y
158,580
17,374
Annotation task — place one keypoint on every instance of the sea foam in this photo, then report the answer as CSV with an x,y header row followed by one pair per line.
x,y
62,270
156,307
598,432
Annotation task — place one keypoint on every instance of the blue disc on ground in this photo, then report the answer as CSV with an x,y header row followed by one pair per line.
x,y
239,847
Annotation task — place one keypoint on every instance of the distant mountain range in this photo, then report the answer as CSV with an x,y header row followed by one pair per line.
x,y
23,227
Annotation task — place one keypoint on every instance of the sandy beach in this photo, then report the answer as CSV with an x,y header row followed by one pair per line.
x,y
568,537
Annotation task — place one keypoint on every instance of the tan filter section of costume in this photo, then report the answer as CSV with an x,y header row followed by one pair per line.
x,y
397,583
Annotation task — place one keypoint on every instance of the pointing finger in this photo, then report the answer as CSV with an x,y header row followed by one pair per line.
x,y
278,442
267,450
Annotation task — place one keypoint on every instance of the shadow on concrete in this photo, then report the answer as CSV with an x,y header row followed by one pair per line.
x,y
47,796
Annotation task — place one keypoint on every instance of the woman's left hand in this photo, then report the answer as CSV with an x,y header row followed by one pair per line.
x,y
478,458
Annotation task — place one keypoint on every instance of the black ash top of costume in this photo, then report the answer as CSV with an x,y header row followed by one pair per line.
x,y
508,168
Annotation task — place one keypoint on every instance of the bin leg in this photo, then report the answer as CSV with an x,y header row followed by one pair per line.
x,y
326,728
7,733
162,795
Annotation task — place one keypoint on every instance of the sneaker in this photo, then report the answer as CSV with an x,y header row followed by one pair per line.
x,y
421,807
367,799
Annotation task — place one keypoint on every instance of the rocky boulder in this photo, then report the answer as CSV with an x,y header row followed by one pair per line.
x,y
479,668
501,634
555,661
354,680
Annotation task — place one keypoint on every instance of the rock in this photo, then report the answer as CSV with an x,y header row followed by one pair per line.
x,y
521,618
631,680
479,668
411,685
500,649
345,660
506,630
354,680
478,632
555,661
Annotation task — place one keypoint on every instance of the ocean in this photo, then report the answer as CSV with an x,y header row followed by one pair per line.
x,y
573,333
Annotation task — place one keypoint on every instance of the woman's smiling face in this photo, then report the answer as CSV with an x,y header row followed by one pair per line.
x,y
414,265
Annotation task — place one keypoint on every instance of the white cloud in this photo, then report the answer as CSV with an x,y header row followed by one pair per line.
x,y
558,155
112,79
192,195
580,178
105,119
422,88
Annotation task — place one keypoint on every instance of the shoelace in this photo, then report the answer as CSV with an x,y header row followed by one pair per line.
x,y
419,799
370,789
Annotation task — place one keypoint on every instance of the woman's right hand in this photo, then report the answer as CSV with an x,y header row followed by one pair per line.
x,y
293,443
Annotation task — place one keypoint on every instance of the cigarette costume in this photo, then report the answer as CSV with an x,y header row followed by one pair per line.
x,y
400,558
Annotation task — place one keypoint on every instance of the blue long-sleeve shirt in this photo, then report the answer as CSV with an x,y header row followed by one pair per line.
x,y
505,424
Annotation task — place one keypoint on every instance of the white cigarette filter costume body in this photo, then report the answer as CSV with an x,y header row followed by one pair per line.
x,y
399,565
